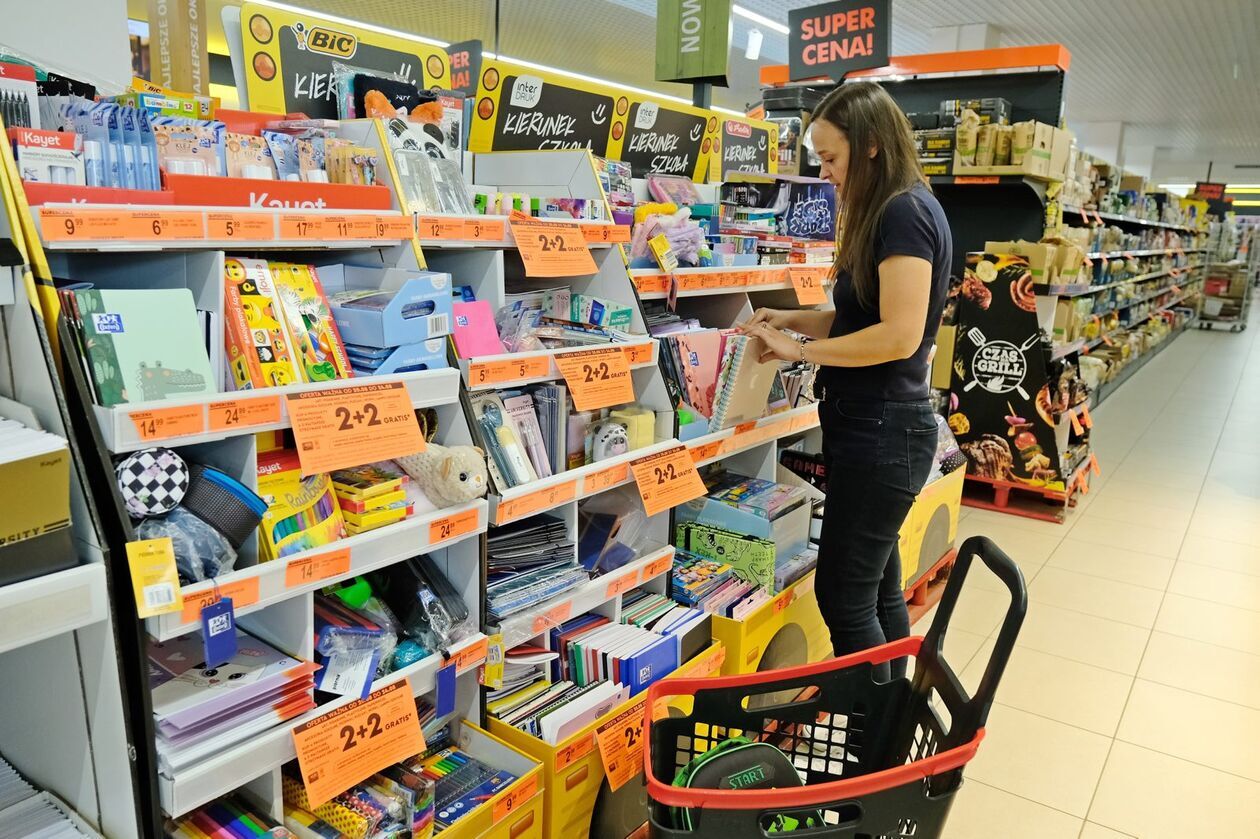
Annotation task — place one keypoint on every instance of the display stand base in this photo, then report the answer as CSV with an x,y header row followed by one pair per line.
x,y
1018,499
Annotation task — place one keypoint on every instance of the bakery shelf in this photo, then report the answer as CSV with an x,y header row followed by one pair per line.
x,y
556,490
52,604
716,279
1152,252
1063,350
440,230
519,628
1087,214
225,771
268,583
485,372
720,444
1109,387
1129,326
1079,290
120,423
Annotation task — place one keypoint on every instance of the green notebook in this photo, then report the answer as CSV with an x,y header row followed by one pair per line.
x,y
144,344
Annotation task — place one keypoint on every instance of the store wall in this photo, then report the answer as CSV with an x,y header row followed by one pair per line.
x,y
86,39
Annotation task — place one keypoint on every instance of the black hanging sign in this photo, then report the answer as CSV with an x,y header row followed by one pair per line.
x,y
831,39
663,141
465,66
538,114
745,148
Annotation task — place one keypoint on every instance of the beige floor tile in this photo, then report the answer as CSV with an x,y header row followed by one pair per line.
x,y
979,610
1091,640
1039,759
1218,553
1131,537
1165,495
1139,512
1219,672
1112,563
1027,548
1097,831
960,648
1155,796
1064,690
1007,521
1192,727
1212,623
1216,585
983,811
1157,471
1231,526
1096,596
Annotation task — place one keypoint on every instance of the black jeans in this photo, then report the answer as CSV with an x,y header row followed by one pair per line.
x,y
878,455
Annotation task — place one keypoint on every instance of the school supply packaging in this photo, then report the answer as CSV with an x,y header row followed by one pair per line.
x,y
302,513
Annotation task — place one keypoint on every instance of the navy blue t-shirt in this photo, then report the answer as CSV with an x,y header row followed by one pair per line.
x,y
913,225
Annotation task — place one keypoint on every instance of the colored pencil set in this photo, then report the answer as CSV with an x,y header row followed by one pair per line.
x,y
227,818
302,513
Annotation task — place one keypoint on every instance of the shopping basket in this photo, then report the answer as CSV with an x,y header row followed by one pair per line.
x,y
879,760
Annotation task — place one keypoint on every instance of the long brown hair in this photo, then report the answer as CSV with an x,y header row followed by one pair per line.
x,y
869,118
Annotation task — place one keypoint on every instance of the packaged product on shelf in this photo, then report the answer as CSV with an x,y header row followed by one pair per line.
x,y
302,512
371,496
221,817
353,646
428,611
53,157
967,133
612,531
258,344
320,353
388,308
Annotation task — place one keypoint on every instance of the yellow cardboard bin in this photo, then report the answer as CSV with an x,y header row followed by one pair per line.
x,y
782,632
930,527
514,813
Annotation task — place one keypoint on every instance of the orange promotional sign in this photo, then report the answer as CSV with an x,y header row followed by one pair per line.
x,y
241,227
453,526
666,479
243,593
551,249
807,280
342,427
339,749
488,373
244,413
620,743
598,378
300,572
163,423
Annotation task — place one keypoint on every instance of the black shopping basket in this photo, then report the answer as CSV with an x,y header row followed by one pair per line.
x,y
879,760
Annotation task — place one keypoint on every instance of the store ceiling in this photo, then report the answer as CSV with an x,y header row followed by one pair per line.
x,y
1183,77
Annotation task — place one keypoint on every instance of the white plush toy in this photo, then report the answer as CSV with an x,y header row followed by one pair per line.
x,y
449,475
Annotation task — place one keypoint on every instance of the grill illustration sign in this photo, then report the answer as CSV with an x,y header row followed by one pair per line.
x,y
999,367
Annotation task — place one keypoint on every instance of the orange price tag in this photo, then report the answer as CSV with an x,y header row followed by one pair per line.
x,y
488,373
1089,421
553,617
485,229
340,227
620,743
667,479
300,572
597,233
534,502
1076,424
339,749
241,227
551,249
342,427
784,600
1175,289
597,378
511,802
658,566
303,227
394,227
808,283
1107,340
1127,254
621,585
570,754
706,451
807,419
605,478
1098,219
78,225
691,282
637,354
977,179
745,428
440,227
244,413
243,593
162,423
163,226
470,656
652,283
1093,465
453,526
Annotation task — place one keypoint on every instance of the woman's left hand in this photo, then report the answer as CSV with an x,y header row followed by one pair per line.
x,y
778,344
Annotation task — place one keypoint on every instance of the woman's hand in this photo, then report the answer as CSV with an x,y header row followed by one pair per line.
x,y
777,344
777,318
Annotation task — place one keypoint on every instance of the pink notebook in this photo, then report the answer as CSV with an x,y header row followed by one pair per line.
x,y
474,330
701,352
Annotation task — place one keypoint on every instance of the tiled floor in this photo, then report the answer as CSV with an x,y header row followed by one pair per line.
x,y
1131,707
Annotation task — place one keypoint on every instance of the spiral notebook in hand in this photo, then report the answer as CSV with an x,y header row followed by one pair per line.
x,y
743,384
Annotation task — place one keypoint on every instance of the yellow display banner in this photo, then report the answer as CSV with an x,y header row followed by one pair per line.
x,y
289,57
663,137
742,144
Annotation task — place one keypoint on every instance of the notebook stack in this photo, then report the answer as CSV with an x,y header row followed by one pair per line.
x,y
26,812
528,562
199,711
720,375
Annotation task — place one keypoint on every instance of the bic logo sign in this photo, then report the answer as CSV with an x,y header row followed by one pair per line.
x,y
331,42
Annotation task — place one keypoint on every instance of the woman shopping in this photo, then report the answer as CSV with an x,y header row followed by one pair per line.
x,y
879,433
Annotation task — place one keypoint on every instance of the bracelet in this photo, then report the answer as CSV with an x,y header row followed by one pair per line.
x,y
802,339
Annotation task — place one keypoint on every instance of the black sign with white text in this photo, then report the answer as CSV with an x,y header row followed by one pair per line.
x,y
832,39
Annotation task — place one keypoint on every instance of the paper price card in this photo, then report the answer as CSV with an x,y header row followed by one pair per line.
x,y
570,753
154,578
621,585
243,593
343,427
606,234
231,414
667,479
394,227
470,656
511,802
652,283
808,283
241,227
620,743
485,229
302,227
440,227
339,227
553,617
605,478
658,566
489,373
551,249
163,226
511,509
301,572
454,526
637,354
162,423
705,451
597,378
339,749
79,225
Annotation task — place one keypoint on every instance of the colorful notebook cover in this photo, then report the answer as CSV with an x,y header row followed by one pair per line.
x,y
144,344
700,353
743,385
474,330
320,352
258,343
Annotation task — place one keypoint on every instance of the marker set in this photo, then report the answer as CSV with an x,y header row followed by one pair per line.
x,y
463,783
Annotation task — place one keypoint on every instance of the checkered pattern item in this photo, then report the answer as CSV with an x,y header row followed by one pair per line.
x,y
152,482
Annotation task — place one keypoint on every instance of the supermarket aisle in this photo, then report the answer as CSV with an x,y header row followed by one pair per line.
x,y
1132,704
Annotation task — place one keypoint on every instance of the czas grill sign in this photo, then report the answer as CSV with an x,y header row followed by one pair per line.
x,y
832,39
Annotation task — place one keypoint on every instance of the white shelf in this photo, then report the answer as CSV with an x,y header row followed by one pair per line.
x,y
448,238
426,388
557,490
721,279
243,762
708,448
519,628
63,601
10,279
368,552
641,351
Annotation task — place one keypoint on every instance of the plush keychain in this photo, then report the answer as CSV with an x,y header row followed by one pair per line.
x,y
448,475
